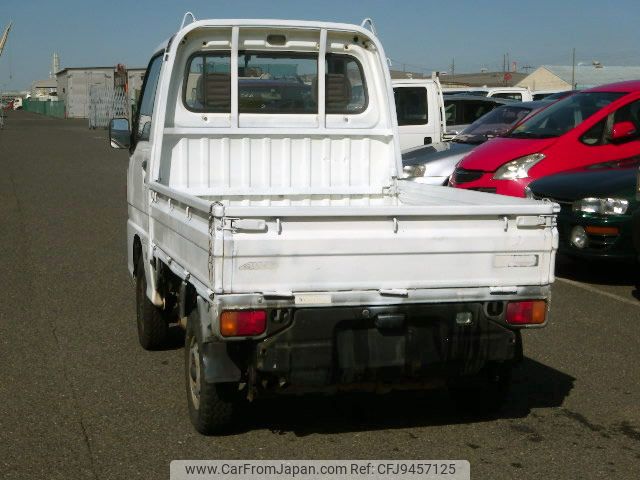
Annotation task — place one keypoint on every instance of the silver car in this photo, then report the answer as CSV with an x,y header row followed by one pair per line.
x,y
433,164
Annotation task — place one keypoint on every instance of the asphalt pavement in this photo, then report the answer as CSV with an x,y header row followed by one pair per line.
x,y
79,398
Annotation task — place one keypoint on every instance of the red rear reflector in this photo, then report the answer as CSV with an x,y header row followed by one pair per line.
x,y
530,312
243,323
602,230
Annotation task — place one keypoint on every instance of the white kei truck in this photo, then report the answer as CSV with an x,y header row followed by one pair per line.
x,y
267,217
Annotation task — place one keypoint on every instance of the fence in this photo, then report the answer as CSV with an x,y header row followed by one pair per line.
x,y
48,108
106,103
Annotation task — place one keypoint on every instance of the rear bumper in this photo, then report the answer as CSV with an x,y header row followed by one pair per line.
x,y
390,346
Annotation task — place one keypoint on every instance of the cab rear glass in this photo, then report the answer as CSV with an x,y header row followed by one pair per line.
x,y
274,83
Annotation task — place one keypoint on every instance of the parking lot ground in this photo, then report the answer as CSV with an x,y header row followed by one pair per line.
x,y
79,399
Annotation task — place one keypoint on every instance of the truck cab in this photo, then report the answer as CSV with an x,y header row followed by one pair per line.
x,y
420,110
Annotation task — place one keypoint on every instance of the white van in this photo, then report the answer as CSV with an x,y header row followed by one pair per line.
x,y
420,110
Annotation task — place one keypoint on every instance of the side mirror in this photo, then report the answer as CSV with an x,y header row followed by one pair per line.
x,y
622,131
119,133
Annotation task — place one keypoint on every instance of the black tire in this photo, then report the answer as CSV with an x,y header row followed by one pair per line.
x,y
485,393
213,407
153,327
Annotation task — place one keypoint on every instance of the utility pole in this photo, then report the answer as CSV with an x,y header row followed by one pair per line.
x,y
573,70
504,68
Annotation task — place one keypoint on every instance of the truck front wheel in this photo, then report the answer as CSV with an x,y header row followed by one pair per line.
x,y
153,328
212,406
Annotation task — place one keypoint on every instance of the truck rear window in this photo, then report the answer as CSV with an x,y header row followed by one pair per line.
x,y
277,83
274,83
208,83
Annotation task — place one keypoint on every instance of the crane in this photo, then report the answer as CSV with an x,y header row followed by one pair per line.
x,y
5,35
3,41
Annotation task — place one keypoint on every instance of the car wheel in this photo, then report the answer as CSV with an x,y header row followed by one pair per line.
x,y
212,406
153,327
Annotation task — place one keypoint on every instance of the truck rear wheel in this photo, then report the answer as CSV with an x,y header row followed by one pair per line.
x,y
153,328
212,406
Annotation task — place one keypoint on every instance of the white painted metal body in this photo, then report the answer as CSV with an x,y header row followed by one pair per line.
x,y
307,209
433,131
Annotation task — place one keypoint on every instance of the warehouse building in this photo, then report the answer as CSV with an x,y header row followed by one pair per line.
x,y
74,85
551,77
44,88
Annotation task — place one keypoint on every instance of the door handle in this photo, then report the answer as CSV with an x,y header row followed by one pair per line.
x,y
144,165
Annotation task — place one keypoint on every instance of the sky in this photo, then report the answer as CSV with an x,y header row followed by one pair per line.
x,y
422,35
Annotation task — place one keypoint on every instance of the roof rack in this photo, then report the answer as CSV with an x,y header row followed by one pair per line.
x,y
184,19
368,23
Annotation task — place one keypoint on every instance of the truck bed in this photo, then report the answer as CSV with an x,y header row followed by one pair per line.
x,y
427,238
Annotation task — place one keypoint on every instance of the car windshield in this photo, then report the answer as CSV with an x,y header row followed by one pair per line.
x,y
564,115
496,122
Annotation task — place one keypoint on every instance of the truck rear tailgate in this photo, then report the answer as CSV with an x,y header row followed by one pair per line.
x,y
511,242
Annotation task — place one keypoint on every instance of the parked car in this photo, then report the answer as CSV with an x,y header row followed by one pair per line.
x,y
597,206
593,126
519,94
462,110
286,245
434,164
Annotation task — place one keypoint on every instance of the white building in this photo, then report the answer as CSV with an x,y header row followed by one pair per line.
x,y
74,86
558,77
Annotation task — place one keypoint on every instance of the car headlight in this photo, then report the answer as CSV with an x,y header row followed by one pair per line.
x,y
518,168
414,170
602,206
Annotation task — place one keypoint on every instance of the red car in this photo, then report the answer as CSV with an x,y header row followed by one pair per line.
x,y
592,126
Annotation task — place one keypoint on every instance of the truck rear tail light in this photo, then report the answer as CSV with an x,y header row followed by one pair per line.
x,y
243,323
530,312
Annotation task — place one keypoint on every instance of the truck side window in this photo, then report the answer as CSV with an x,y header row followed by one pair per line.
x,y
207,87
143,124
411,105
345,89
